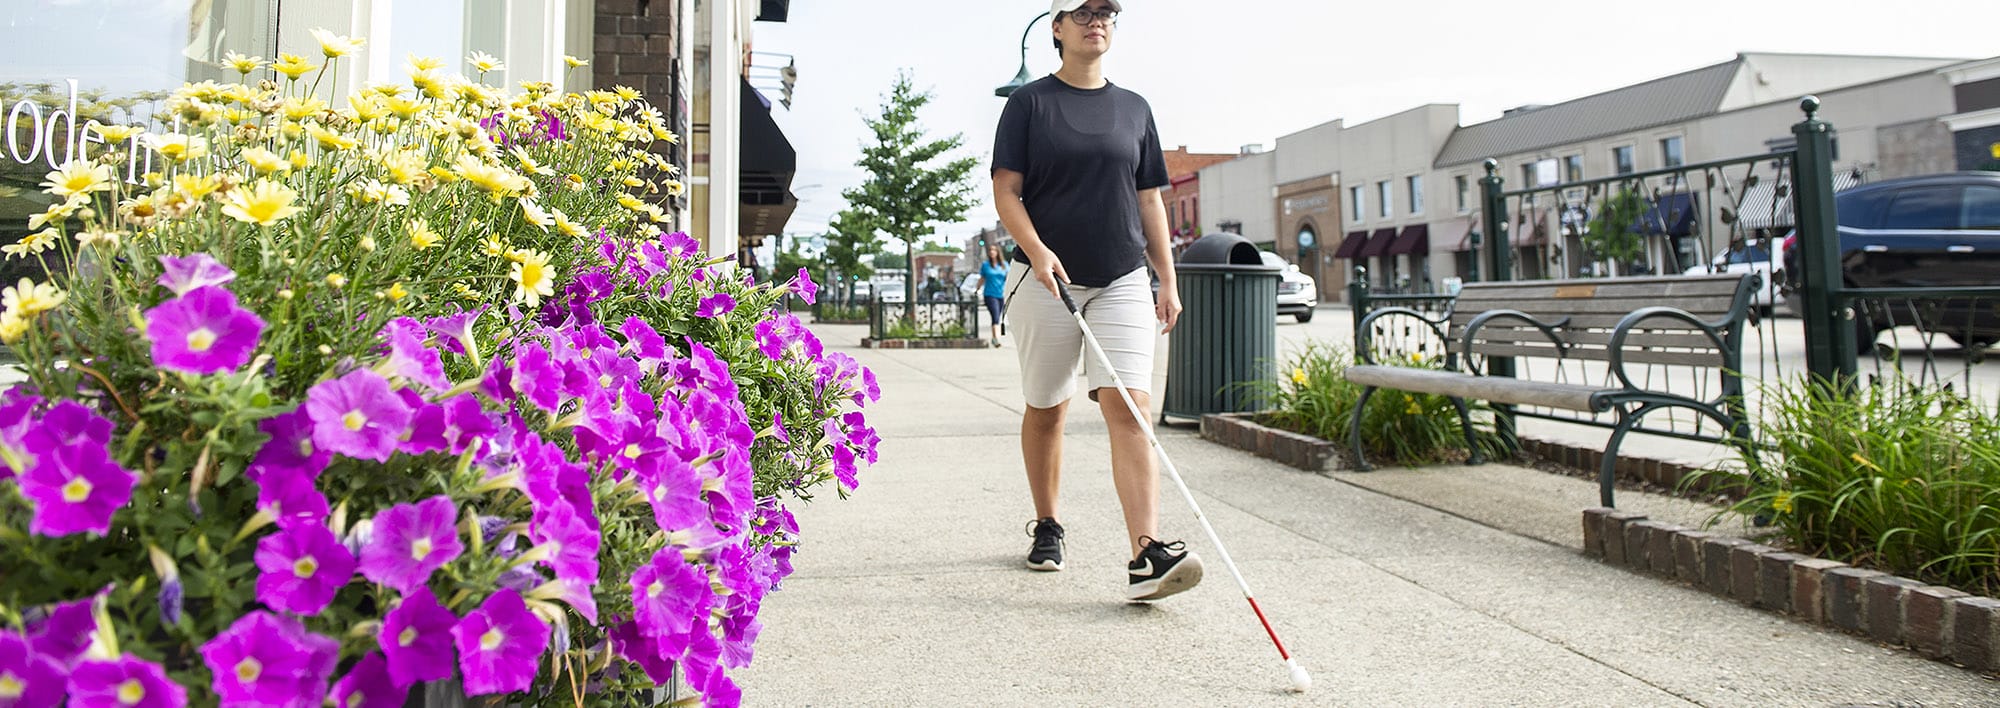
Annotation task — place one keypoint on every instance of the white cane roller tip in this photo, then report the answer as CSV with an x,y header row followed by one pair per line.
x,y
1301,681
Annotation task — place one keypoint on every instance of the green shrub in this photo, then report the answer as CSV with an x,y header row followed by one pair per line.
x,y
1313,397
1901,479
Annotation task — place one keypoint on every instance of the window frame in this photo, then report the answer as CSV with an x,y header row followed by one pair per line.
x,y
1357,211
1676,157
1463,184
1414,184
1386,198
1631,163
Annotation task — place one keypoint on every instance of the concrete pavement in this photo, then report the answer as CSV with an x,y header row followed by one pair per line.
x,y
1437,586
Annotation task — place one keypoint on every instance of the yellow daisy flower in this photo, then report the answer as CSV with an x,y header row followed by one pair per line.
x,y
493,246
192,188
1299,376
300,160
366,107
99,237
12,328
626,92
421,235
1782,503
575,63
116,134
331,140
335,46
293,66
535,214
484,62
569,228
30,298
31,244
264,161
402,107
302,108
263,203
242,64
491,178
528,163
179,148
416,63
78,177
533,279
396,292
336,280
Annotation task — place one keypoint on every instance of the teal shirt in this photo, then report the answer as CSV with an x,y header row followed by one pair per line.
x,y
994,278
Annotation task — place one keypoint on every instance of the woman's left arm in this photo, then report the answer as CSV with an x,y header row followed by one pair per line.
x,y
1159,253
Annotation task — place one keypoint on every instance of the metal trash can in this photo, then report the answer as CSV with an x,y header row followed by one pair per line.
x,y
1227,337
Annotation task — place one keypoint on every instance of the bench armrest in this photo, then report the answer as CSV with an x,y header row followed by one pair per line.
x,y
1727,344
1364,335
1472,328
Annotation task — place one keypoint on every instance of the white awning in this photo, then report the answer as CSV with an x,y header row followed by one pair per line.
x,y
1768,205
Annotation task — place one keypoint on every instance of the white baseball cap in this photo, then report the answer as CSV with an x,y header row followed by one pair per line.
x,y
1069,5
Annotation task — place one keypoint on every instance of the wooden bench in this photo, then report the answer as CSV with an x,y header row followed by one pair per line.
x,y
1624,346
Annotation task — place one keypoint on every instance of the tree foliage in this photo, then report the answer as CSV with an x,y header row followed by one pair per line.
x,y
1612,236
913,182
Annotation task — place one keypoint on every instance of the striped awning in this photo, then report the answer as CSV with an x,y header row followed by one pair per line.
x,y
1768,205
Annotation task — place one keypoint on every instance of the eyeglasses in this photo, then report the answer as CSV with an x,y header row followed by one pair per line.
x,y
1085,17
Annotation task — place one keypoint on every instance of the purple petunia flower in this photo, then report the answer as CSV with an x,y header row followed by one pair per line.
x,y
708,372
427,425
409,357
369,685
193,272
304,567
456,329
291,498
202,332
803,284
537,377
715,305
575,542
63,631
290,448
267,660
577,595
498,645
643,340
778,428
28,678
590,286
412,541
466,424
668,593
551,128
126,683
357,415
17,420
416,638
76,488
679,244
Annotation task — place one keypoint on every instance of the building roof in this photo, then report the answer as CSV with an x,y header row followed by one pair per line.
x,y
1663,101
1181,163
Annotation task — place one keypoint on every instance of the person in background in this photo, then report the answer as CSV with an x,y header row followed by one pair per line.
x,y
992,286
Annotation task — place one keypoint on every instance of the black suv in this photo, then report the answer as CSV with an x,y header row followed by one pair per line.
x,y
1919,232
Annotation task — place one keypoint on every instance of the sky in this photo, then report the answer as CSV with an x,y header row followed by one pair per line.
x,y
1223,75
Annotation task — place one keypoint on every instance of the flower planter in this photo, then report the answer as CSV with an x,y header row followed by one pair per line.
x,y
1241,431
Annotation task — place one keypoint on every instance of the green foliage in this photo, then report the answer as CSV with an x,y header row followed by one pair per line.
x,y
1904,480
1610,235
1313,397
907,328
908,191
851,246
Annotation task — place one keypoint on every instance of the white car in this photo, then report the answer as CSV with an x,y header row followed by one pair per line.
x,y
1752,257
1298,295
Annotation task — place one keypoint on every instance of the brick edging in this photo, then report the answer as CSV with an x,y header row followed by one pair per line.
x,y
1938,622
1661,473
1295,449
951,343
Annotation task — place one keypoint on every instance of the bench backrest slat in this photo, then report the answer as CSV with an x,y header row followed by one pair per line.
x,y
1593,308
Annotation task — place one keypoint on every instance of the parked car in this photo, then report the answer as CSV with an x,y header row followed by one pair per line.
x,y
1920,232
1298,295
1750,257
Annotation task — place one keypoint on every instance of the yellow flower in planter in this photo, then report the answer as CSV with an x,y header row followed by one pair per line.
x,y
396,292
194,188
242,64
179,148
31,244
293,66
336,280
29,298
78,177
484,62
331,140
1299,376
116,134
569,228
533,279
575,63
335,46
402,107
535,215
491,178
264,203
528,163
1782,503
264,161
302,108
12,328
493,246
421,235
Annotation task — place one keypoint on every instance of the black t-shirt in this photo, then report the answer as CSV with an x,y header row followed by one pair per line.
x,y
1083,154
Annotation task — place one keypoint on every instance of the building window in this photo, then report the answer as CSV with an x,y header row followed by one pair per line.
x,y
1528,176
1621,159
1416,194
1464,186
1357,201
1670,152
1573,168
1388,198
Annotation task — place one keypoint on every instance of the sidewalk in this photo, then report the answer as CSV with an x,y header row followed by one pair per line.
x,y
1439,586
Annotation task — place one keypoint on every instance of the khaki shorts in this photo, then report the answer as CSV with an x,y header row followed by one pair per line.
x,y
1049,344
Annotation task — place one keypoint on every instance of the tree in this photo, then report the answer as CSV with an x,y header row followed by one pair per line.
x,y
1611,235
912,183
851,245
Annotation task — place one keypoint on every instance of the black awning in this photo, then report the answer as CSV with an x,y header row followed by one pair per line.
x,y
1413,239
1671,215
774,10
1378,243
1351,245
768,164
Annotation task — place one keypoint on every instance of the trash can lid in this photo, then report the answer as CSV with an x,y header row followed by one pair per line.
x,y
1224,249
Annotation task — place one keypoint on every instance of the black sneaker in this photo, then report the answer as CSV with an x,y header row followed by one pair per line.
x,y
1046,554
1162,569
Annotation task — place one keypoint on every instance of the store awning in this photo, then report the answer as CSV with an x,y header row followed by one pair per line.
x,y
1352,245
1670,215
1768,205
1378,243
1413,239
768,164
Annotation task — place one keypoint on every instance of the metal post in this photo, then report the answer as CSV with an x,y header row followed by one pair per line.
x,y
1499,256
1831,346
1357,298
1494,209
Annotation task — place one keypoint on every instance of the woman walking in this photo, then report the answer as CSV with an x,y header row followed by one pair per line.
x,y
993,287
1077,169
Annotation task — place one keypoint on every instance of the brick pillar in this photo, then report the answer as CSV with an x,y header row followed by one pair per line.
x,y
636,45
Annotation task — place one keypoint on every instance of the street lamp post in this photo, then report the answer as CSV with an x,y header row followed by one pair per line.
x,y
1021,78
